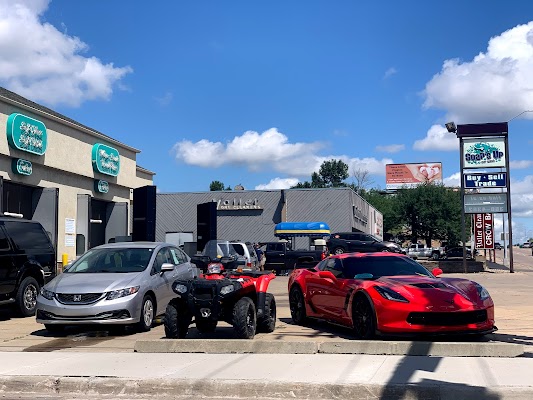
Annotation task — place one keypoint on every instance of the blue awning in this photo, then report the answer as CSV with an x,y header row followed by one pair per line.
x,y
308,229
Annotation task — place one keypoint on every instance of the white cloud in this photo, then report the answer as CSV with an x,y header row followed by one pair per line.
x,y
42,63
453,180
278,183
388,73
165,99
268,150
392,148
522,164
494,86
437,138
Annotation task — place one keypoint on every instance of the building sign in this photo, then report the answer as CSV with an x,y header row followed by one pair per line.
x,y
400,176
105,159
26,134
497,180
482,153
101,186
238,204
485,203
484,231
22,167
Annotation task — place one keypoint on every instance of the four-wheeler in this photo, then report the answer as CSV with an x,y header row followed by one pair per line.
x,y
387,293
224,292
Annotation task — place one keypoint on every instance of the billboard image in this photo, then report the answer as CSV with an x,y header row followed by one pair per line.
x,y
484,231
410,175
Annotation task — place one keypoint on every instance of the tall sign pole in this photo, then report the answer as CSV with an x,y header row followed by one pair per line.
x,y
487,147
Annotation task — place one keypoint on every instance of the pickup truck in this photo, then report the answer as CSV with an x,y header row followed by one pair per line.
x,y
422,251
280,257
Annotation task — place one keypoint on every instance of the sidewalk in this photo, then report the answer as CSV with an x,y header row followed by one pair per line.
x,y
318,376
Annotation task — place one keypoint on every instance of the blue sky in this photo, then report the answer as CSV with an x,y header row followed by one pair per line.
x,y
260,94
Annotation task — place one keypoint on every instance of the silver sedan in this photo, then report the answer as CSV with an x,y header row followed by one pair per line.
x,y
117,284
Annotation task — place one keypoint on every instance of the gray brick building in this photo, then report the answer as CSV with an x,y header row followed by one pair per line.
x,y
251,215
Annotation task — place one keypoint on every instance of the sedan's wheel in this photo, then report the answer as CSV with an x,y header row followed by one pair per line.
x,y
267,323
297,306
176,322
338,250
435,256
244,319
147,314
26,297
385,250
206,326
363,318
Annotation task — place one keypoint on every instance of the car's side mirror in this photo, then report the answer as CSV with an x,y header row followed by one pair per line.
x,y
436,271
327,275
167,267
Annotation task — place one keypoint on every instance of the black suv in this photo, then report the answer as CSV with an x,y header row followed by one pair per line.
x,y
27,262
348,242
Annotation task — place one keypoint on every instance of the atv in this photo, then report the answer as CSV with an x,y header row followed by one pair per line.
x,y
223,292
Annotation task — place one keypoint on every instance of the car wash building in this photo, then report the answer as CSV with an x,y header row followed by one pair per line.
x,y
252,215
74,180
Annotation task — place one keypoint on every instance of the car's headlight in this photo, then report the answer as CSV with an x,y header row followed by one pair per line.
x,y
47,294
227,289
482,292
116,294
180,289
390,294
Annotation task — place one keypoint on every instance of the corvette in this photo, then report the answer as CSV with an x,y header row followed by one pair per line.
x,y
388,294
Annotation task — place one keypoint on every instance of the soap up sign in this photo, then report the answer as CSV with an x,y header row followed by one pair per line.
x,y
484,231
484,153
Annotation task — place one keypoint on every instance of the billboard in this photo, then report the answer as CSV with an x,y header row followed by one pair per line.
x,y
474,181
484,231
398,176
483,153
485,203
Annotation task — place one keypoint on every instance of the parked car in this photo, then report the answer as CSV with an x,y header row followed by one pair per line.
x,y
422,251
347,242
525,245
388,294
281,257
498,246
114,284
27,262
457,252
247,251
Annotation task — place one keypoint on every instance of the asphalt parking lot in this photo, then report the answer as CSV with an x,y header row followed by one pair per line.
x,y
512,294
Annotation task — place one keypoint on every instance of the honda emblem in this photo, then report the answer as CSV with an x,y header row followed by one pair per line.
x,y
77,297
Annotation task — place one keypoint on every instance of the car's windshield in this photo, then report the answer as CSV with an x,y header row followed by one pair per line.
x,y
382,266
217,249
121,260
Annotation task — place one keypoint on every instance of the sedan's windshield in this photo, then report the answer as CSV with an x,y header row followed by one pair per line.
x,y
112,261
382,266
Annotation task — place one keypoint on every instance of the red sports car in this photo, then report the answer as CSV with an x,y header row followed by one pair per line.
x,y
388,293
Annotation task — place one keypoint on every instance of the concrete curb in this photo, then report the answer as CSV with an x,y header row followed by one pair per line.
x,y
376,347
224,346
241,389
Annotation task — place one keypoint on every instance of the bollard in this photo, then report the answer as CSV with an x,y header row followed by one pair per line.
x,y
64,258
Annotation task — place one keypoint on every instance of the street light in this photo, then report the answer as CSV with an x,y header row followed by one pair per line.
x,y
450,126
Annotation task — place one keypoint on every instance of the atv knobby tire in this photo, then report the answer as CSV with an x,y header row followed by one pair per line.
x,y
206,326
244,319
267,322
176,322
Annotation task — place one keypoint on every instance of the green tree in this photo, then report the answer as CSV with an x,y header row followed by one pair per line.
x,y
430,211
386,204
216,186
332,173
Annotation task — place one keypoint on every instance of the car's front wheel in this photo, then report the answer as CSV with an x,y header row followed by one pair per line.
x,y
244,319
147,314
363,318
26,297
297,306
338,250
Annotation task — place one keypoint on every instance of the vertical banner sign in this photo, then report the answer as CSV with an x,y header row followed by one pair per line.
x,y
484,231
